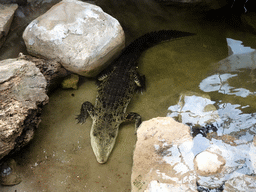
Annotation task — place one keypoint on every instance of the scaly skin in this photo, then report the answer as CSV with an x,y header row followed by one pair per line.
x,y
116,87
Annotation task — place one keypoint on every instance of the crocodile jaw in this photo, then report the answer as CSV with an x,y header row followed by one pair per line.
x,y
102,145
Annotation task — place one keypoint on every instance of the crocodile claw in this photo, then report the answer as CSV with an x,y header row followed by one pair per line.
x,y
81,119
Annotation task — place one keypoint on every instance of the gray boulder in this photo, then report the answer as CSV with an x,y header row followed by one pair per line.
x,y
79,35
23,93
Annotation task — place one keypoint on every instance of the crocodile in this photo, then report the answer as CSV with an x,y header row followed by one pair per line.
x,y
116,87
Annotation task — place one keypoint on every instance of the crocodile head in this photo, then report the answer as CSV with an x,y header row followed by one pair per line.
x,y
103,138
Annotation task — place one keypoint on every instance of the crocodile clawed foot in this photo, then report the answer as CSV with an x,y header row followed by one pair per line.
x,y
80,119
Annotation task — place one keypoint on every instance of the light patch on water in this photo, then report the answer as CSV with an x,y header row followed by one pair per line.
x,y
200,144
237,47
218,82
173,156
235,133
231,119
239,160
194,110
156,147
234,120
181,168
187,153
164,176
155,186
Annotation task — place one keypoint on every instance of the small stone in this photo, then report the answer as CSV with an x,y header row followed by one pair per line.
x,y
208,163
8,173
70,82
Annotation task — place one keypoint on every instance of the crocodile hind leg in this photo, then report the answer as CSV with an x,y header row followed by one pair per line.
x,y
87,108
131,117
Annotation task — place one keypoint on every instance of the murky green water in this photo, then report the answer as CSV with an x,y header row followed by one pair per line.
x,y
60,157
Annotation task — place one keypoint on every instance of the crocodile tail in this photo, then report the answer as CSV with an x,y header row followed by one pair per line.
x,y
150,39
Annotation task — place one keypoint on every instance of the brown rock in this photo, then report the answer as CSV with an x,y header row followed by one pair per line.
x,y
23,93
155,139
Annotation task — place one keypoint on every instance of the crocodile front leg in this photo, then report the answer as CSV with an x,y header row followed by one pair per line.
x,y
131,117
140,82
87,108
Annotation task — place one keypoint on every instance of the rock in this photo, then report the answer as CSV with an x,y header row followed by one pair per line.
x,y
8,173
252,153
243,183
167,158
163,154
6,16
228,153
23,93
70,82
236,47
249,19
229,162
79,35
208,163
52,70
240,58
201,4
155,186
19,2
196,110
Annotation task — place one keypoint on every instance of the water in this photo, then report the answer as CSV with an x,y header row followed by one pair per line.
x,y
60,157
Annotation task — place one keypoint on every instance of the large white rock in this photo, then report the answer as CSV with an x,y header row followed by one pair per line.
x,y
79,35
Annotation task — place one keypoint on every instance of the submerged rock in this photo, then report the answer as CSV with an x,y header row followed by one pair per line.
x,y
79,35
23,93
166,157
250,19
208,163
243,183
8,173
70,82
6,16
196,110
